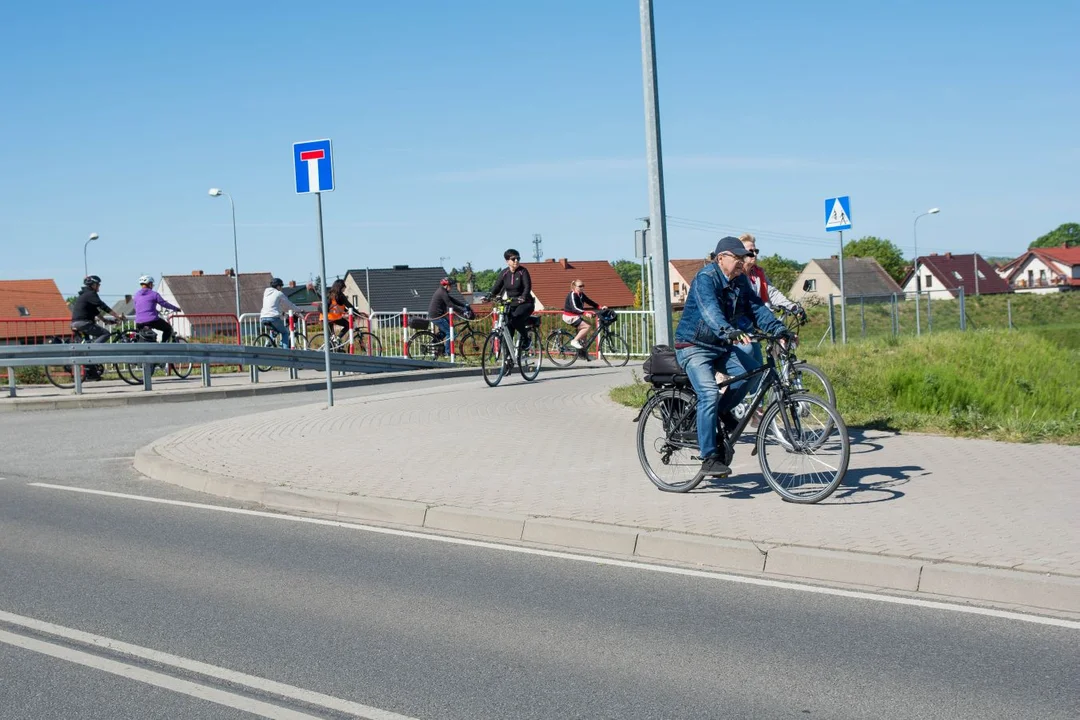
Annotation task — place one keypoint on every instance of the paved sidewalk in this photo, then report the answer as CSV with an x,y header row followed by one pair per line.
x,y
966,518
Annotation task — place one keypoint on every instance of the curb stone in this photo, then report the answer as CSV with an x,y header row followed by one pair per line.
x,y
1026,590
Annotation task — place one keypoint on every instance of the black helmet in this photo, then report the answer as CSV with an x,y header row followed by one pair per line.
x,y
91,280
276,283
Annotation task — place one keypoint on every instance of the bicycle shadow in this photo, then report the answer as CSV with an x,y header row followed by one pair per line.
x,y
859,487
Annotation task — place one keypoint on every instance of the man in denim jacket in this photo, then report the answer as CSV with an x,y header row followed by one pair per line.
x,y
720,307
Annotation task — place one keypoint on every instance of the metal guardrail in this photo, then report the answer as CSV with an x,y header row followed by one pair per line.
x,y
149,354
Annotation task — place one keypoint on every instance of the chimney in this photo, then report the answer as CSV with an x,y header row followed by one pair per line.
x,y
228,272
292,283
933,254
127,298
834,257
564,263
948,256
197,273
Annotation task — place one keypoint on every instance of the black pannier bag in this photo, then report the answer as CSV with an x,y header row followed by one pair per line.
x,y
419,323
661,367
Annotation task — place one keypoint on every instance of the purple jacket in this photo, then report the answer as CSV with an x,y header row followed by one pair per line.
x,y
146,304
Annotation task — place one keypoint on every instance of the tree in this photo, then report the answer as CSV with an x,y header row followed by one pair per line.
x,y
629,271
781,271
1067,234
884,251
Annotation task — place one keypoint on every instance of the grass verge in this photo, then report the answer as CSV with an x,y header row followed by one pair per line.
x,y
1018,386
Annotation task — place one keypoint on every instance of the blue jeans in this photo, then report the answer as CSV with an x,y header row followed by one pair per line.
x,y
701,365
278,326
442,325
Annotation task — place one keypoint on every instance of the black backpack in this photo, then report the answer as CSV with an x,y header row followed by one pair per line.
x,y
661,367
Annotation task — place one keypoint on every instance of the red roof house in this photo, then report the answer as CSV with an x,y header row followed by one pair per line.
x,y
1045,270
951,272
551,282
32,310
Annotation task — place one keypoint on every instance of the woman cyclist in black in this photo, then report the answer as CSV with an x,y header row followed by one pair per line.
x,y
515,284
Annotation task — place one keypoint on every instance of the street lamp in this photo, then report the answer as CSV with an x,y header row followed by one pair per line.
x,y
918,280
93,237
216,192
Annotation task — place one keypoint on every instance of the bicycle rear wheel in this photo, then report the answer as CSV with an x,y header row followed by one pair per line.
x,y
530,359
183,369
613,350
807,460
559,350
265,340
424,346
470,345
493,359
667,441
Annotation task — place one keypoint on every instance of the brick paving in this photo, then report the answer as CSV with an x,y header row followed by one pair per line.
x,y
560,447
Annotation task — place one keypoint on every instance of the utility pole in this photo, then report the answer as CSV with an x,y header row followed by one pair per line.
x,y
537,252
657,235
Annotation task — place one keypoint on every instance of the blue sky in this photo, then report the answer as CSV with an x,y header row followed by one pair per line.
x,y
464,128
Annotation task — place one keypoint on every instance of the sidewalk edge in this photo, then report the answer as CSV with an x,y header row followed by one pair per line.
x,y
1031,590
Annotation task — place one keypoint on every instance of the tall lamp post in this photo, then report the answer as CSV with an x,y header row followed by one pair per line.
x,y
85,267
216,192
918,279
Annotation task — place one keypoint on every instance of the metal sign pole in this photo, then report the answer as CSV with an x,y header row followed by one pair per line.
x,y
843,296
325,310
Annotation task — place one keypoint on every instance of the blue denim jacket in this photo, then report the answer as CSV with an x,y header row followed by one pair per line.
x,y
716,306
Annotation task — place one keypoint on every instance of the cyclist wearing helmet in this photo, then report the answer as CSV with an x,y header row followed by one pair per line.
x,y
516,285
87,307
146,302
274,306
438,309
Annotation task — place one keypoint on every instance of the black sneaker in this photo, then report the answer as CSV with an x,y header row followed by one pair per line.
x,y
715,466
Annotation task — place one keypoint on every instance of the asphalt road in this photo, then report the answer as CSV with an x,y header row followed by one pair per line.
x,y
430,629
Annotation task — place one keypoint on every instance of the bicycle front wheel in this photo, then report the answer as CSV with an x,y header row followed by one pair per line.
x,y
181,370
493,359
121,336
667,441
424,346
559,350
807,378
470,344
364,343
805,455
613,350
530,358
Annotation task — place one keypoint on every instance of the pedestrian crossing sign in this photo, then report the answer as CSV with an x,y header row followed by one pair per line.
x,y
838,213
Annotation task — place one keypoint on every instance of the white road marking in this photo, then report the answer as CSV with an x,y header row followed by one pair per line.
x,y
634,565
184,687
181,663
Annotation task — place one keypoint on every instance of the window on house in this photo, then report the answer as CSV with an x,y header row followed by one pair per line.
x,y
957,275
929,280
981,275
811,285
1031,277
1042,277
23,311
355,300
674,288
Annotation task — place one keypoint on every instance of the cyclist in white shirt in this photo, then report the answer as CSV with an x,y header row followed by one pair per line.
x,y
274,306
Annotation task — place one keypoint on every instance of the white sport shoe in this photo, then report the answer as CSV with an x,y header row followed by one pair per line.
x,y
576,345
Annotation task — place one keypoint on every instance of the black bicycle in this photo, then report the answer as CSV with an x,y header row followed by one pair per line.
x,y
268,338
181,370
63,376
429,342
612,348
363,342
802,442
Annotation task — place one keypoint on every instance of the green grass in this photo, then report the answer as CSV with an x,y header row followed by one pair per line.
x,y
870,319
1006,385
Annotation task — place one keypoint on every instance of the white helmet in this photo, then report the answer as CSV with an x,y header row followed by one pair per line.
x,y
146,280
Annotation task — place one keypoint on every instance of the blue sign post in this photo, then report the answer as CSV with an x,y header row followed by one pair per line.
x,y
838,219
314,168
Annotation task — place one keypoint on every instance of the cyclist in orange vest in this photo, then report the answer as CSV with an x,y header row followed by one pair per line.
x,y
338,308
